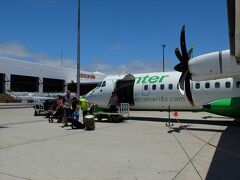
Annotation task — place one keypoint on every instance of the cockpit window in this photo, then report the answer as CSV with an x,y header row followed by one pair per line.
x,y
99,85
103,84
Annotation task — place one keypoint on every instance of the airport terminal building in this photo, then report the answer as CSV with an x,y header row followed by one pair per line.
x,y
22,76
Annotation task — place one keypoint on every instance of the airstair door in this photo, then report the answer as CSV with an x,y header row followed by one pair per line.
x,y
124,89
145,89
2,83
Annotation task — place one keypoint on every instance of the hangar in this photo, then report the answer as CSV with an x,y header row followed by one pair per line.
x,y
18,77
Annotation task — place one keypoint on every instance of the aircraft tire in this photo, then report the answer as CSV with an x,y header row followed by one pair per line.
x,y
111,119
99,117
119,119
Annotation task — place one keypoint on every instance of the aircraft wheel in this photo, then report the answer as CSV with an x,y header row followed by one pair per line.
x,y
99,117
119,119
237,119
111,119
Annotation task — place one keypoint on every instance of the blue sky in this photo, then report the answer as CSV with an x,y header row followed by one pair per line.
x,y
117,36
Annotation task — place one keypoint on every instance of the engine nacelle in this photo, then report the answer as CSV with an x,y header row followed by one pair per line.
x,y
213,66
224,107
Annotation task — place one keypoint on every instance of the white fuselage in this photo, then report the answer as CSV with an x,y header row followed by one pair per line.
x,y
158,91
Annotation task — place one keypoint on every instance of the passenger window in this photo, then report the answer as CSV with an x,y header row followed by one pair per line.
x,y
162,86
238,84
217,84
103,83
170,86
154,87
207,85
145,87
197,86
227,84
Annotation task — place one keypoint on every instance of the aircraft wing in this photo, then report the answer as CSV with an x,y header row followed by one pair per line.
x,y
233,8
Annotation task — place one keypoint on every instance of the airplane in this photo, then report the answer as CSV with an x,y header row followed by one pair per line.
x,y
159,91
213,65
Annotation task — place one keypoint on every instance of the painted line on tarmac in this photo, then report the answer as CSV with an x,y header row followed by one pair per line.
x,y
10,175
195,155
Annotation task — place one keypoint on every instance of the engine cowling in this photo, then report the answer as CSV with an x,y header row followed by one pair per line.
x,y
225,107
214,65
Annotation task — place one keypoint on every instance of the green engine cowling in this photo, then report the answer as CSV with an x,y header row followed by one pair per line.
x,y
226,107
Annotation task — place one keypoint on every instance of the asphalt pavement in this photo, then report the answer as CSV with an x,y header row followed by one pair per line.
x,y
205,146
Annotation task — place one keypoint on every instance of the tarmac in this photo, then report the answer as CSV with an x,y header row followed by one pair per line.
x,y
139,148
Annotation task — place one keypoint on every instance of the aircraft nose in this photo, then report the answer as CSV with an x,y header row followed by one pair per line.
x,y
88,96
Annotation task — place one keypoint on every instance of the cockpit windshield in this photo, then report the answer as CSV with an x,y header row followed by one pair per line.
x,y
99,85
103,84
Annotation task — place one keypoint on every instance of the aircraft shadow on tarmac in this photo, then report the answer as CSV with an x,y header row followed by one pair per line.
x,y
188,121
3,127
215,117
184,127
226,160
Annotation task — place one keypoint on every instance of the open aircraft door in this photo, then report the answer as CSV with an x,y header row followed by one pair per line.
x,y
124,89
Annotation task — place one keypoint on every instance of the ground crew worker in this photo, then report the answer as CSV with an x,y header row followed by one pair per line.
x,y
75,120
85,106
67,104
113,102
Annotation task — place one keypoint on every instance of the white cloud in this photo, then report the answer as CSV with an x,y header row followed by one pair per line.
x,y
44,59
14,50
136,66
18,51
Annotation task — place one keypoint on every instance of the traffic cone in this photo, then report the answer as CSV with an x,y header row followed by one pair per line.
x,y
175,114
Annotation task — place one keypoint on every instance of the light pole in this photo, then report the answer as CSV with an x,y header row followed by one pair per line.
x,y
61,56
78,53
163,46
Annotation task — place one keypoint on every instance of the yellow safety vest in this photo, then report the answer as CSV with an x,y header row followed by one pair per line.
x,y
84,104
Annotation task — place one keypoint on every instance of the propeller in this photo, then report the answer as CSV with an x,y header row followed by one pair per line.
x,y
184,56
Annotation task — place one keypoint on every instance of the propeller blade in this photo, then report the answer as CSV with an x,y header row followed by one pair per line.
x,y
180,85
179,55
190,53
184,56
179,67
183,44
188,91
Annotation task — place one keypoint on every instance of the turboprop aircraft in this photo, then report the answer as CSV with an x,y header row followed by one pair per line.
x,y
213,65
158,91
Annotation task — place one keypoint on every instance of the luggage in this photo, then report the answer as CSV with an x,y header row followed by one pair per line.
x,y
77,125
89,122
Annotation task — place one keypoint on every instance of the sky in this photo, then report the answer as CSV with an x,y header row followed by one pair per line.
x,y
117,36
